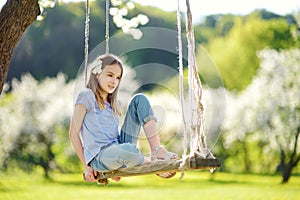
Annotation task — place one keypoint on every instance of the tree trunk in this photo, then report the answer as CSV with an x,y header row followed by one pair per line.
x,y
293,160
15,17
246,157
286,173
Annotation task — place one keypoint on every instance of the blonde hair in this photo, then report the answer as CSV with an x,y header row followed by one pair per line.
x,y
107,59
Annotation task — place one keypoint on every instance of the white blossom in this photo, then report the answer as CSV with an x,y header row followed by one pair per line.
x,y
143,19
130,5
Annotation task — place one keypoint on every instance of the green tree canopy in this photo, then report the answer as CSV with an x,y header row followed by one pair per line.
x,y
236,53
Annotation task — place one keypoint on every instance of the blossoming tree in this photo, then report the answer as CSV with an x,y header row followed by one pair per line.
x,y
269,109
31,116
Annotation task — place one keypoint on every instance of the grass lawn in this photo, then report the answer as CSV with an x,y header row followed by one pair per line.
x,y
194,185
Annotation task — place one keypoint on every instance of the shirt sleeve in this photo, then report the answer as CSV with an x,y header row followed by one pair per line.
x,y
86,98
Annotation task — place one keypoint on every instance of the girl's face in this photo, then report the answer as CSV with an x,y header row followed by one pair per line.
x,y
110,78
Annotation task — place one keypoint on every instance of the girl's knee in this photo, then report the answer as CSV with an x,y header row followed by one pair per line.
x,y
139,98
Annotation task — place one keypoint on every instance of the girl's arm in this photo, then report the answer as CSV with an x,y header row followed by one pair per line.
x,y
74,134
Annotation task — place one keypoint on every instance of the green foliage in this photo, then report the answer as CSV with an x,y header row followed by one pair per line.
x,y
251,156
214,26
236,53
5,99
65,158
158,17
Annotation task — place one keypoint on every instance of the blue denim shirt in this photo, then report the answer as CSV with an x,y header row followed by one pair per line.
x,y
99,128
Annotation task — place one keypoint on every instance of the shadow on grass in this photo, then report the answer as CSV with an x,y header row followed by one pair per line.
x,y
145,181
94,184
153,182
111,183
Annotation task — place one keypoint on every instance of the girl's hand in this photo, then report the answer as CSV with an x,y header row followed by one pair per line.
x,y
90,175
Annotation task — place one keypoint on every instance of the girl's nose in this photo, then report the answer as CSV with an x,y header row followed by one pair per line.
x,y
115,80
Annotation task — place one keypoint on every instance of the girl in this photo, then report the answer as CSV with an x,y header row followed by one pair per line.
x,y
94,130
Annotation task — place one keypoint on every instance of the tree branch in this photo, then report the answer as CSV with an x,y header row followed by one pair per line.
x,y
15,17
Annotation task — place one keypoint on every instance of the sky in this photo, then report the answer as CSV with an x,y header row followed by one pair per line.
x,y
201,8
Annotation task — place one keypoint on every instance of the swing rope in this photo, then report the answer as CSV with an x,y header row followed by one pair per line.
x,y
198,137
87,33
86,38
195,90
198,144
107,26
181,87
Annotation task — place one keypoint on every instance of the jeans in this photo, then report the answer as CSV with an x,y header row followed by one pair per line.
x,y
125,153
